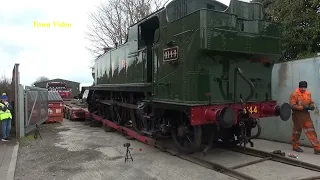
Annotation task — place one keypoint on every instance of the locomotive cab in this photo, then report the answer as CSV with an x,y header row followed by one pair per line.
x,y
148,35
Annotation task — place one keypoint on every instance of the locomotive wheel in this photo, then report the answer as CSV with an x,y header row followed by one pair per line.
x,y
101,111
136,121
187,138
107,128
119,115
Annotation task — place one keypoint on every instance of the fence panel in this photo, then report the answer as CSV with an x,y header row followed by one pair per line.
x,y
36,107
12,93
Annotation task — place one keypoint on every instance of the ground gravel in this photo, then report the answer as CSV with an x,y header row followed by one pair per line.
x,y
41,159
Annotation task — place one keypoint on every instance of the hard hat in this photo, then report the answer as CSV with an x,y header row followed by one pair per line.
x,y
4,96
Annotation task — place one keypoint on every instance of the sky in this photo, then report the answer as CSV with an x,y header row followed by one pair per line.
x,y
54,52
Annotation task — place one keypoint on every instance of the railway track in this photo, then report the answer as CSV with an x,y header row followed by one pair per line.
x,y
219,167
232,171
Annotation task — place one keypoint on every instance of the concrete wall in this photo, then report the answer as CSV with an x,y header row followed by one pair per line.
x,y
285,79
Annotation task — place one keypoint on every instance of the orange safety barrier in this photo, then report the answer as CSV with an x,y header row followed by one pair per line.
x,y
55,112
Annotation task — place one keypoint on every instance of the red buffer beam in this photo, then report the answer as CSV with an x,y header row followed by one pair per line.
x,y
124,130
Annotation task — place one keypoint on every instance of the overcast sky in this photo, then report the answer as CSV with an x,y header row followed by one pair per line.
x,y
51,52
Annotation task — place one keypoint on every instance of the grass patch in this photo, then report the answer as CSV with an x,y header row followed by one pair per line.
x,y
26,139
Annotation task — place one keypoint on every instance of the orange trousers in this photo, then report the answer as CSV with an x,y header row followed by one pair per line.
x,y
303,121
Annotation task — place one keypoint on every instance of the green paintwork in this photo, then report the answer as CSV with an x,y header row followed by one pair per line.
x,y
212,43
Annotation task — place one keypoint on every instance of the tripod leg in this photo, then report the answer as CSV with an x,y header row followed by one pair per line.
x,y
125,159
37,132
130,156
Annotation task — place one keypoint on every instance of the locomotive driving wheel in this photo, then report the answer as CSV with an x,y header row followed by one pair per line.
x,y
119,115
137,122
186,137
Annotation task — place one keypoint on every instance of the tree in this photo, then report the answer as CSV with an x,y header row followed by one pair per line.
x,y
300,20
5,86
109,24
40,79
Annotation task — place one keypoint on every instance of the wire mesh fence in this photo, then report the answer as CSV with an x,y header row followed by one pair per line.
x,y
36,107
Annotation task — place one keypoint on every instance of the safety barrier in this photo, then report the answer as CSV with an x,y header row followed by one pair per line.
x,y
36,107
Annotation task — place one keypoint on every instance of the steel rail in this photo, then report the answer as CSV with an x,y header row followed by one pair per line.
x,y
310,178
276,158
229,171
217,167
232,172
207,164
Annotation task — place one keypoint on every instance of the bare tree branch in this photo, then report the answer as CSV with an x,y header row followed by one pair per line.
x,y
40,79
109,24
5,86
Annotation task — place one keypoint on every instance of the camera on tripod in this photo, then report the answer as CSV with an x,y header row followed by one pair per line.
x,y
128,153
126,145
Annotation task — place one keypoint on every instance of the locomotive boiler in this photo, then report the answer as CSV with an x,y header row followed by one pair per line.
x,y
195,71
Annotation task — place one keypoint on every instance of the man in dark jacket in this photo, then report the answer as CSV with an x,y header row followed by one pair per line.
x,y
5,117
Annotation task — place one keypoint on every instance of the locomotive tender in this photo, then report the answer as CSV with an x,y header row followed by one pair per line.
x,y
198,71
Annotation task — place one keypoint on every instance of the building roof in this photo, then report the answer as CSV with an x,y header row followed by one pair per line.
x,y
57,79
54,96
46,96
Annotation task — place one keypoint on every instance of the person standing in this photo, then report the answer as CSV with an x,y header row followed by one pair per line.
x,y
301,103
5,117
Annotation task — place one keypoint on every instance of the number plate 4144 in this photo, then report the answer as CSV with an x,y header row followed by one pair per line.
x,y
251,109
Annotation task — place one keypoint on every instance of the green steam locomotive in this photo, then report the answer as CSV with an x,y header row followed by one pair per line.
x,y
195,71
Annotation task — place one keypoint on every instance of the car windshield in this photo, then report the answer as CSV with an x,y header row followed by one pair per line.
x,y
57,86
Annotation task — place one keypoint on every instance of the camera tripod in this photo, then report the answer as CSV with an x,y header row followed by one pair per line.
x,y
128,153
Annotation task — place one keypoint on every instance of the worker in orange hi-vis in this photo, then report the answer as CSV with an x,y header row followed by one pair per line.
x,y
301,102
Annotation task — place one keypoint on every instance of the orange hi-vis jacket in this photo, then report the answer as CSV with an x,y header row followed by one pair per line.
x,y
298,100
301,119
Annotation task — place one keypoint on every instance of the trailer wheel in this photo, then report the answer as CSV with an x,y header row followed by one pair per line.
x,y
65,113
70,116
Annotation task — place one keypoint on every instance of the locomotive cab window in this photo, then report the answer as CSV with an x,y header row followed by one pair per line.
x,y
147,32
178,9
210,6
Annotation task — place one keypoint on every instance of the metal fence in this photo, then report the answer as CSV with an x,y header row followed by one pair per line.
x,y
13,97
36,107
